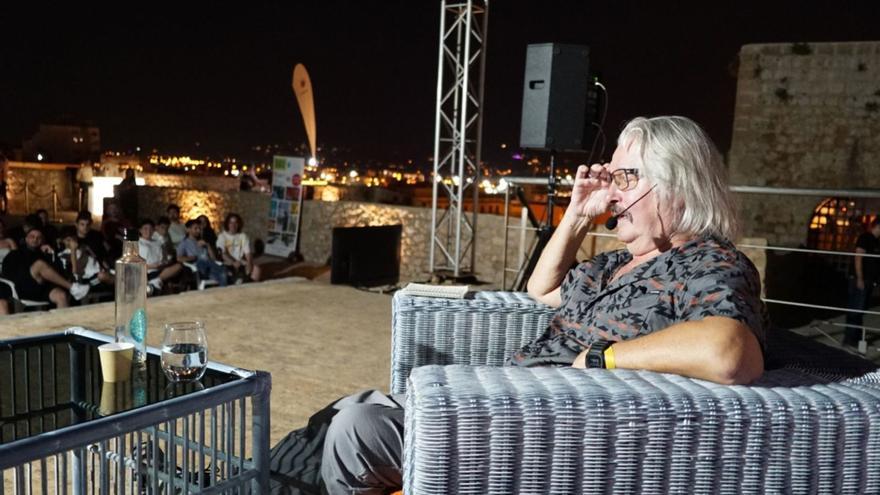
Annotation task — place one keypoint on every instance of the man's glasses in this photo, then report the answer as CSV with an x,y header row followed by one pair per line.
x,y
625,178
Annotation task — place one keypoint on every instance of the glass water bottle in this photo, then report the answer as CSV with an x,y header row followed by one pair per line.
x,y
131,297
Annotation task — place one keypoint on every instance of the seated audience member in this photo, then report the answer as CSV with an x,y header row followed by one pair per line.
x,y
161,236
194,249
80,263
85,235
7,244
36,276
160,269
235,248
5,299
176,230
50,233
208,233
18,233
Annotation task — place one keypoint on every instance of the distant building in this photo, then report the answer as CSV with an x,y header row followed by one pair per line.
x,y
807,117
63,143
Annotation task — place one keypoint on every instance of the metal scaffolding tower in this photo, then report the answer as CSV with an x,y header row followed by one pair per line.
x,y
458,135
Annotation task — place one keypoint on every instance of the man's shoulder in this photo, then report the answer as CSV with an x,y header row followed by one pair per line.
x,y
712,254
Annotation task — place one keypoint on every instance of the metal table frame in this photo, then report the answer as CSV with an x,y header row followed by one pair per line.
x,y
122,453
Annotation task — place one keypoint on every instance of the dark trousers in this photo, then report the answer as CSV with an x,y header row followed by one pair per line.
x,y
858,299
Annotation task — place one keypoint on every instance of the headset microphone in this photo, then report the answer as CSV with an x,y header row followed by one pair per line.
x,y
611,223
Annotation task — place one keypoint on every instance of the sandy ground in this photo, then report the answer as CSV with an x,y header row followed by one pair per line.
x,y
319,341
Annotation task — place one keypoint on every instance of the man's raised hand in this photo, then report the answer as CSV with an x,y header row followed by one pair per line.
x,y
589,194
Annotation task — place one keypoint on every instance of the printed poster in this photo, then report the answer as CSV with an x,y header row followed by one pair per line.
x,y
286,204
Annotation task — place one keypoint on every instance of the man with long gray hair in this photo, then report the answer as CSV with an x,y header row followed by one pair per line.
x,y
680,298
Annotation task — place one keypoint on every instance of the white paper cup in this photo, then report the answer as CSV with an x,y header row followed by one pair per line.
x,y
116,360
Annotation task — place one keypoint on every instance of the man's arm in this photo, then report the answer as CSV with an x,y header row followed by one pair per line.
x,y
181,254
588,200
557,258
211,252
74,264
716,348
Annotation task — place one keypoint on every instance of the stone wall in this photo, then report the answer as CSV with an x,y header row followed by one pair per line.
x,y
807,116
40,179
200,182
252,206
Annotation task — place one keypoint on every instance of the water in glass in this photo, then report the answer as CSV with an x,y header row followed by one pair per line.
x,y
184,351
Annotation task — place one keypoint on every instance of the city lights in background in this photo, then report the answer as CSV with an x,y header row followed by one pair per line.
x,y
320,173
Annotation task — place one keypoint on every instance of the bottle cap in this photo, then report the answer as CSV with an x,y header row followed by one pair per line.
x,y
130,234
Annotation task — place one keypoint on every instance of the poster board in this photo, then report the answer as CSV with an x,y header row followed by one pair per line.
x,y
285,205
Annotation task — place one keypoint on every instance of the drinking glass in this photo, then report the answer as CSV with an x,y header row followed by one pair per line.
x,y
184,351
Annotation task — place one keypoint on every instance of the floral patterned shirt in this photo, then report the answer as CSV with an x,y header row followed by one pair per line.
x,y
704,277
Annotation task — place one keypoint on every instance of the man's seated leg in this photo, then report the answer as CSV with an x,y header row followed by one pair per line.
x,y
363,450
59,297
154,283
42,272
215,272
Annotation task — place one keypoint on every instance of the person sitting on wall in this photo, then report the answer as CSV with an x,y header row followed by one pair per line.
x,y
680,298
196,250
176,230
84,177
235,248
126,194
160,268
33,271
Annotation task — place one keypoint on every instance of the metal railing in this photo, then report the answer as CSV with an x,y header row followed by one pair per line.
x,y
28,188
526,252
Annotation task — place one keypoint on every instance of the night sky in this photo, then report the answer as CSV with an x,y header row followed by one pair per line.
x,y
170,77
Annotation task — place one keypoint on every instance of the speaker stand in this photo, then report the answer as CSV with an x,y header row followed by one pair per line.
x,y
545,228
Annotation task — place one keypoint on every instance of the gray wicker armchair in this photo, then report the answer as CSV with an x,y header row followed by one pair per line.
x,y
810,425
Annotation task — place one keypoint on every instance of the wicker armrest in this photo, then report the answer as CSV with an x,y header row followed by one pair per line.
x,y
476,429
484,328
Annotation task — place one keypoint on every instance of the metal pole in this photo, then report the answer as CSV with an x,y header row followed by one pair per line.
x,y
54,203
261,429
506,236
464,64
551,189
479,143
437,123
